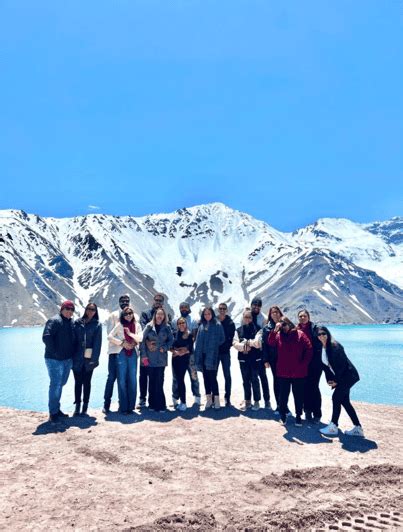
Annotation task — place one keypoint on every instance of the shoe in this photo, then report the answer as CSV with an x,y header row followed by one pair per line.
x,y
355,431
308,416
267,405
105,410
316,420
197,400
283,420
330,430
175,402
217,404
76,410
62,414
288,414
245,405
142,403
298,421
228,402
277,412
53,419
209,402
181,407
84,410
256,406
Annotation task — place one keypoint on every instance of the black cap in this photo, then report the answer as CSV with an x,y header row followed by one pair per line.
x,y
125,296
184,304
257,301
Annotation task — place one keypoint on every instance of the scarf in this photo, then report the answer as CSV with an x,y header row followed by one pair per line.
x,y
131,325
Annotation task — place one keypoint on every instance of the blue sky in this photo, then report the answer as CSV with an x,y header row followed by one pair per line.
x,y
289,111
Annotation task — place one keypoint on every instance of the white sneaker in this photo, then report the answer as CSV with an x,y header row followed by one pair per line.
x,y
355,431
197,400
330,430
256,406
182,407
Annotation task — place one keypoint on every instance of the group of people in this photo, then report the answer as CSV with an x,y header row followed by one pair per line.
x,y
296,355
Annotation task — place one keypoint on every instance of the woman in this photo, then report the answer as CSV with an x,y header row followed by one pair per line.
x,y
85,360
341,376
210,336
294,352
269,353
247,342
127,335
312,395
182,349
157,339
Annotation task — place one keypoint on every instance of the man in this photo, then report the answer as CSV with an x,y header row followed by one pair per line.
x,y
113,351
146,317
60,341
184,309
259,320
224,349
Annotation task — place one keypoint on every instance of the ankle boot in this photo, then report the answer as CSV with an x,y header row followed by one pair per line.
x,y
77,409
209,401
85,408
217,403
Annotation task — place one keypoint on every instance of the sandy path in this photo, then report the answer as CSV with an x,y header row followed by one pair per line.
x,y
200,471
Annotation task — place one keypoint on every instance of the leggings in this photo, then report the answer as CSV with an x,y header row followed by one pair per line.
x,y
341,397
82,383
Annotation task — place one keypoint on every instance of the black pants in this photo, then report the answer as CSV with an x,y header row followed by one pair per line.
x,y
156,396
312,395
341,397
112,376
180,365
263,380
250,379
143,382
297,386
210,379
225,359
82,384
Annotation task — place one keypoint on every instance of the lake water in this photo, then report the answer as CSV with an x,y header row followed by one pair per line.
x,y
376,350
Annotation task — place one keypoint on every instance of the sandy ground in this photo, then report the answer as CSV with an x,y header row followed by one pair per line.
x,y
223,470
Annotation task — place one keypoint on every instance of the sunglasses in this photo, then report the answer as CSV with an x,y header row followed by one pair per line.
x,y
182,323
128,314
92,309
322,334
159,300
222,308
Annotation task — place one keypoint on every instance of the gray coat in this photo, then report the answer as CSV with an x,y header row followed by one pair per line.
x,y
208,341
163,339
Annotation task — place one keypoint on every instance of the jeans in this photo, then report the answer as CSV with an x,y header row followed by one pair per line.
x,y
82,383
180,364
156,396
263,380
297,391
194,383
341,397
225,359
250,379
59,371
112,376
127,381
312,395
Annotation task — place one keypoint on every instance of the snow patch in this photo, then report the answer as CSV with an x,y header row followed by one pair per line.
x,y
325,299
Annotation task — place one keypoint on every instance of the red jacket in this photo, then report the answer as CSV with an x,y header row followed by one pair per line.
x,y
294,352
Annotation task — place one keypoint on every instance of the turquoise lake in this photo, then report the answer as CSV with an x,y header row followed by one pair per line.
x,y
376,351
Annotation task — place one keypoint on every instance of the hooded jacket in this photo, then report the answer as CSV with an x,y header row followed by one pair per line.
x,y
294,352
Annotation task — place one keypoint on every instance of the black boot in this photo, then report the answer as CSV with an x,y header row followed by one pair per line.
x,y
84,410
77,409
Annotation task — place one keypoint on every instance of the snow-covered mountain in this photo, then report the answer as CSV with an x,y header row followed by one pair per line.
x,y
342,271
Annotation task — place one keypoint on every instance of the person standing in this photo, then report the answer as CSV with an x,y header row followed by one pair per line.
x,y
341,375
127,335
146,318
225,349
85,359
270,354
182,350
294,352
157,340
247,342
113,351
210,336
60,342
259,320
184,309
312,395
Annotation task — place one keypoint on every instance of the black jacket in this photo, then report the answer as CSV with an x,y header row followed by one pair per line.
x,y
344,372
89,335
229,331
59,338
269,352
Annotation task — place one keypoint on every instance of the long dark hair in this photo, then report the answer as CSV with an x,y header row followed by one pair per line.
x,y
95,316
122,315
203,319
330,341
306,312
155,314
274,307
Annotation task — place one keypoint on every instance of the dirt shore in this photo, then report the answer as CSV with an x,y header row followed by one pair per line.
x,y
223,470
